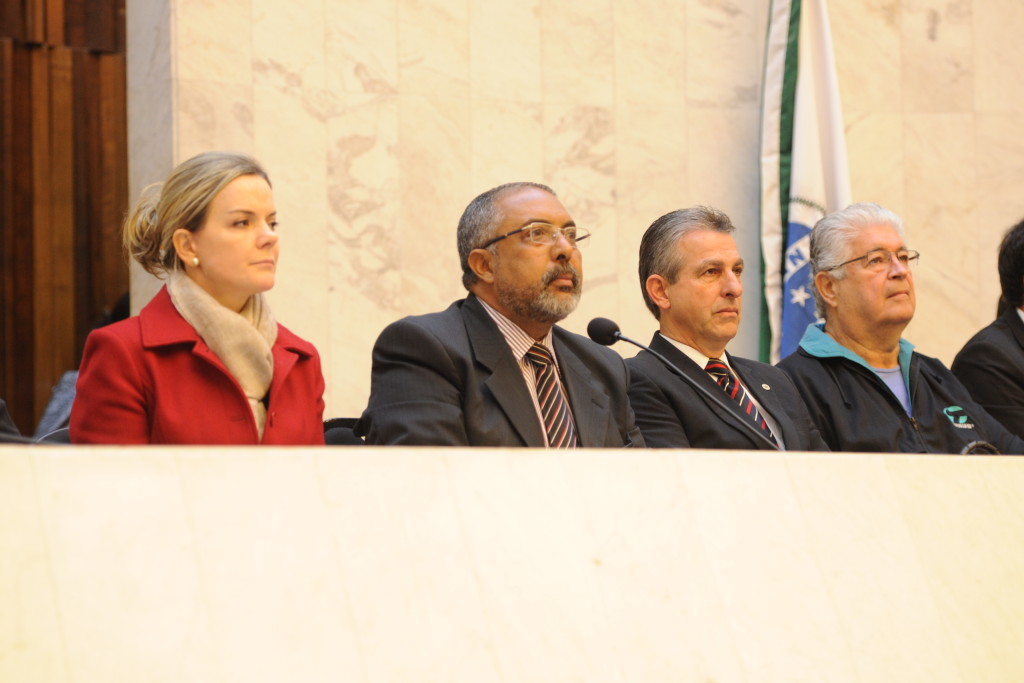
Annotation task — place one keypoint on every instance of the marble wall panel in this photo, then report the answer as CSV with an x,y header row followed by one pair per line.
x,y
435,169
724,174
984,563
488,565
999,76
361,47
32,645
850,560
580,164
687,645
1000,203
937,44
757,523
650,52
288,45
941,201
433,48
213,115
653,177
507,143
212,40
394,606
524,579
628,109
505,51
290,135
268,552
724,53
99,513
577,57
874,145
152,112
363,208
866,38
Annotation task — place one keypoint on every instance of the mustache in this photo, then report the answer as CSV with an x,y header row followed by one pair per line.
x,y
557,272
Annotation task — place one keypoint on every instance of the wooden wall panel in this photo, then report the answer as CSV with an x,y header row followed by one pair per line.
x,y
63,169
54,248
94,24
25,157
101,199
35,22
7,270
12,23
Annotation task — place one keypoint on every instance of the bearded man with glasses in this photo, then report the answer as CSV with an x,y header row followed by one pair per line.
x,y
494,369
865,386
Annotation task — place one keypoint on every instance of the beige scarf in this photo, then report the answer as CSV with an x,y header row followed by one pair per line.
x,y
242,341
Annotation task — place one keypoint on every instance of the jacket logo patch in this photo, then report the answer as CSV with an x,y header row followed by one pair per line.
x,y
958,417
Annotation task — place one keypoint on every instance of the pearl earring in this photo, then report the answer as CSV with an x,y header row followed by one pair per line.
x,y
195,260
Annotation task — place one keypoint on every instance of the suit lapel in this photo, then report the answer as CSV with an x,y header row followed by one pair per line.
x,y
698,374
587,399
505,381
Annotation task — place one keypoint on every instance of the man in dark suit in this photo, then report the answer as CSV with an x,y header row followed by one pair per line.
x,y
690,275
991,364
493,369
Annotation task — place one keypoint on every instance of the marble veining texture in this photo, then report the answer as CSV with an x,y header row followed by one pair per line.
x,y
379,122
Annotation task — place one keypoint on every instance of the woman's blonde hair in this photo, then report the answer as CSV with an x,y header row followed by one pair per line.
x,y
182,201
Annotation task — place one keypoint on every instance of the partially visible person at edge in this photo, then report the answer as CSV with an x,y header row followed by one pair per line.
x,y
864,385
205,362
991,364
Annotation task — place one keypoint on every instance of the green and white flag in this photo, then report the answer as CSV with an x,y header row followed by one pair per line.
x,y
804,172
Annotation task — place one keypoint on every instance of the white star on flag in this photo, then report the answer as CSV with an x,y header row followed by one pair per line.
x,y
799,296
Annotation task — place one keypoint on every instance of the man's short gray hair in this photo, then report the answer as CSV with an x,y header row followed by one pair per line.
x,y
658,252
832,234
481,218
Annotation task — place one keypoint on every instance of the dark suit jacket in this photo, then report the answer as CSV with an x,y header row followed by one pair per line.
x,y
672,414
449,379
991,366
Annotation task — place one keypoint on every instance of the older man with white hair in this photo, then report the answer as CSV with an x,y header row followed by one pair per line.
x,y
864,385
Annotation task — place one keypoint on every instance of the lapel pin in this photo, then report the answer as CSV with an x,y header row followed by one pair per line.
x,y
766,387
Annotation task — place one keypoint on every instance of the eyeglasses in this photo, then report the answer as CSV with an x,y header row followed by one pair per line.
x,y
544,234
879,260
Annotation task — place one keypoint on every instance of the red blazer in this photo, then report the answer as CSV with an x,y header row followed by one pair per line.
x,y
151,379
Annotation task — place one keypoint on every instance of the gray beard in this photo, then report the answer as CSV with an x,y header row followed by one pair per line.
x,y
538,303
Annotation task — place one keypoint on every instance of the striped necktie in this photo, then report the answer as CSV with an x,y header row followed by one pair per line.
x,y
554,409
720,372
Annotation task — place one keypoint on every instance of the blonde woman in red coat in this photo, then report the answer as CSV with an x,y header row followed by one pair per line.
x,y
204,362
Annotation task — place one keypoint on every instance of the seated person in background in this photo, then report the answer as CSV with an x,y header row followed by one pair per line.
x,y
690,276
991,364
865,387
8,430
493,369
205,362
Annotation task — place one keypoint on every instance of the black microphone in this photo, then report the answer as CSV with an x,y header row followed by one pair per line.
x,y
606,332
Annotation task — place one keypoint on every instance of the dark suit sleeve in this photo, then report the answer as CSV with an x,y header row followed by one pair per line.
x,y
809,389
810,438
415,391
658,422
993,379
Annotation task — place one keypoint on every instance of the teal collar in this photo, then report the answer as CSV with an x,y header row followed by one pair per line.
x,y
817,343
